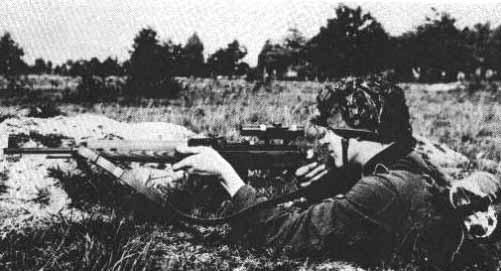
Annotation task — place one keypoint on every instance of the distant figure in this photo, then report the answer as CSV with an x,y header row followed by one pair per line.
x,y
490,74
416,73
478,73
461,77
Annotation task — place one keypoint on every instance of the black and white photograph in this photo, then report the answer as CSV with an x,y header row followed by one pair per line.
x,y
250,135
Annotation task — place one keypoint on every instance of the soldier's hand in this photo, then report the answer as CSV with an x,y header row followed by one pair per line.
x,y
310,173
329,139
201,160
334,146
138,177
206,161
158,178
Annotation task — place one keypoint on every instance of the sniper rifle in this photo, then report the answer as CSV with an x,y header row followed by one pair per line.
x,y
277,148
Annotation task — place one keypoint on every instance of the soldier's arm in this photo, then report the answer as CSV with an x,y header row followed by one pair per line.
x,y
355,222
371,208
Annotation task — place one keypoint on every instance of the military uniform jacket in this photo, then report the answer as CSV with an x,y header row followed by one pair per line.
x,y
389,211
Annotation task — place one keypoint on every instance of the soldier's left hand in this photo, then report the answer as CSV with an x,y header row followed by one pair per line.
x,y
158,178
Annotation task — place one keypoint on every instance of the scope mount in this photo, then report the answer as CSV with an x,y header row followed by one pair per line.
x,y
274,131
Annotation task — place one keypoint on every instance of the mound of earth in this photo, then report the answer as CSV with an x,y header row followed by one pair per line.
x,y
27,192
440,154
435,87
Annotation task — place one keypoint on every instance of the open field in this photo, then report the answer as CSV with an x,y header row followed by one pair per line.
x,y
468,122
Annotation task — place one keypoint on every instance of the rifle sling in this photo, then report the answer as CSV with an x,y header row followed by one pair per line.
x,y
392,153
243,212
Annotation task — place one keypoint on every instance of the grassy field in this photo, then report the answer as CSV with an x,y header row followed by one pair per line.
x,y
468,122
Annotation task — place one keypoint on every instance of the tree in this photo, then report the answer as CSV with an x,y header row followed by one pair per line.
x,y
83,67
11,63
440,47
62,69
273,60
145,59
294,40
193,58
477,39
404,59
493,53
173,58
76,68
110,66
49,67
352,43
294,44
151,66
227,61
276,59
40,66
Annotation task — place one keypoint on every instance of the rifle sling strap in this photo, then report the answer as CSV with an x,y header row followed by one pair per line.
x,y
389,155
345,143
225,219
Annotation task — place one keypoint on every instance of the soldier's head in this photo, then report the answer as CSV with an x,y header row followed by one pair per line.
x,y
371,103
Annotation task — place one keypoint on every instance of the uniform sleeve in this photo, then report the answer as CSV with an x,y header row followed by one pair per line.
x,y
357,223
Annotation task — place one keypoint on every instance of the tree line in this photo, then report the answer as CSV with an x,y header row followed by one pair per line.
x,y
148,54
355,43
351,43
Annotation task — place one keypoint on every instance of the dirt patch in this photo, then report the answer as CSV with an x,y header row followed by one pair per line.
x,y
30,192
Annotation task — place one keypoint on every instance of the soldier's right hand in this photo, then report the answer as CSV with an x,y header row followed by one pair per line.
x,y
329,139
310,173
206,161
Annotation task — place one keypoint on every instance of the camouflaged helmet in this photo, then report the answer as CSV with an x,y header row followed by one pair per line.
x,y
371,103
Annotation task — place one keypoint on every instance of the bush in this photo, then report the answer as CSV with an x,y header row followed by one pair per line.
x,y
45,110
95,88
164,88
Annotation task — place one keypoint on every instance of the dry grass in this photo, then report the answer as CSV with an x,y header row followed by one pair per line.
x,y
469,123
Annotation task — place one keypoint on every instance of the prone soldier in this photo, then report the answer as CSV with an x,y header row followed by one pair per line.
x,y
394,202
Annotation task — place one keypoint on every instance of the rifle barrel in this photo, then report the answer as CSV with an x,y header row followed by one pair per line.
x,y
10,151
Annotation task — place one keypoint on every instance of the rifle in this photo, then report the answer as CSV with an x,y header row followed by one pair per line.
x,y
277,148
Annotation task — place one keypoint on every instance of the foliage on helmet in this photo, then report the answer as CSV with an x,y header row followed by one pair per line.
x,y
371,103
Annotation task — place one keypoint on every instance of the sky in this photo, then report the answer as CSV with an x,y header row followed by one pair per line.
x,y
59,30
